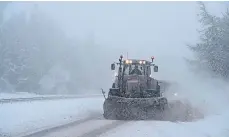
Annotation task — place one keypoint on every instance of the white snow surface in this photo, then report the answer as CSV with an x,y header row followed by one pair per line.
x,y
20,118
212,126
8,95
14,95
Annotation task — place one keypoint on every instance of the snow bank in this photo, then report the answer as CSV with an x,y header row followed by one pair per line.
x,y
25,117
24,95
17,95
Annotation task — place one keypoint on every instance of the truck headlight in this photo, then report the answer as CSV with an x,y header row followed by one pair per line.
x,y
175,94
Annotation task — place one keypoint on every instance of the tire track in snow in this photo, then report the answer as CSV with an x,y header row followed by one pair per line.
x,y
43,132
91,128
97,132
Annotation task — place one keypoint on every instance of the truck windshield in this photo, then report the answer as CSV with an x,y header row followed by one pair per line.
x,y
134,69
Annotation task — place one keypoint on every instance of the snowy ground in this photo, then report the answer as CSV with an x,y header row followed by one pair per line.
x,y
215,126
17,95
20,118
28,116
32,96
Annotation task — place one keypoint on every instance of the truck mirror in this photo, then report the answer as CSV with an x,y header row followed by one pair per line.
x,y
113,66
155,68
152,58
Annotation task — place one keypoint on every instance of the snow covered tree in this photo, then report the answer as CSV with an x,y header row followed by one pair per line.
x,y
212,51
5,65
30,48
49,43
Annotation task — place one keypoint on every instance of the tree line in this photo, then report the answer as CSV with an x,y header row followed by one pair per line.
x,y
36,56
212,50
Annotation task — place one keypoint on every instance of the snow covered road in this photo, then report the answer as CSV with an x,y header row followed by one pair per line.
x,y
83,118
100,127
25,117
90,128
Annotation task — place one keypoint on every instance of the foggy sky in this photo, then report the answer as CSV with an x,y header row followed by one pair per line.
x,y
143,29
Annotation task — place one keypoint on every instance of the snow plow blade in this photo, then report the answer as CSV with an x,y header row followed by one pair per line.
x,y
116,108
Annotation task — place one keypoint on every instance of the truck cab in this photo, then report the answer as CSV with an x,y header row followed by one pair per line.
x,y
133,77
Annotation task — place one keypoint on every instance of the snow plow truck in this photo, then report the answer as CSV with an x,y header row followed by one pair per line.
x,y
134,93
